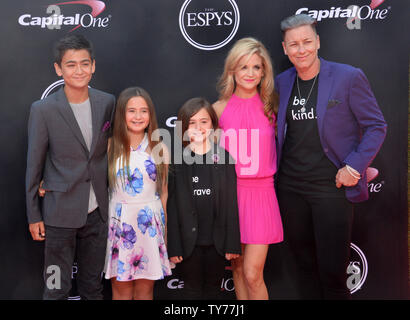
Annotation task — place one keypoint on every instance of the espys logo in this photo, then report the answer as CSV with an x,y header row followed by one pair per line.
x,y
209,25
357,269
367,12
76,20
53,88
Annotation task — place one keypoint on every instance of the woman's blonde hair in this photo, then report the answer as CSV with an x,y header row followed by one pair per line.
x,y
266,88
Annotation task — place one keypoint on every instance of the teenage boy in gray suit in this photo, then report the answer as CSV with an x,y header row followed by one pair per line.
x,y
67,149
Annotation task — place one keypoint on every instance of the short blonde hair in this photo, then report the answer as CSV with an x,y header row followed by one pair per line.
x,y
266,88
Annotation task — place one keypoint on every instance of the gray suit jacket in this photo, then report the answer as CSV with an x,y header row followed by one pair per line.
x,y
57,153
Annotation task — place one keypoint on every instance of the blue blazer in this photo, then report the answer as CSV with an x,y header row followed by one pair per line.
x,y
351,126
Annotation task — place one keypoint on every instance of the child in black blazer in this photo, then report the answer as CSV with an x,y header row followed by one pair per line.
x,y
203,223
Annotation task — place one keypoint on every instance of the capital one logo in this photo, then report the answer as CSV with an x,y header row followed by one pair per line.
x,y
352,13
210,24
175,284
373,186
357,269
56,18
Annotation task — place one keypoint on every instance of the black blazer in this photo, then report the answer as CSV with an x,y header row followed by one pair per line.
x,y
182,218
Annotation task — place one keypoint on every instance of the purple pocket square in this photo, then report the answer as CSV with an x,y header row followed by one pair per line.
x,y
106,126
333,102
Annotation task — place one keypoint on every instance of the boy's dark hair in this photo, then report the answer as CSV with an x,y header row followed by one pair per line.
x,y
72,41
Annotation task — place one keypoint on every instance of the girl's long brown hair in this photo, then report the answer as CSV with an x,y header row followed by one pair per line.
x,y
119,144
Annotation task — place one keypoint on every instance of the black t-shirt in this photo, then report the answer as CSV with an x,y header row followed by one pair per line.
x,y
304,167
203,195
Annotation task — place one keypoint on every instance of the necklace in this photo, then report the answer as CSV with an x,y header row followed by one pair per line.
x,y
303,109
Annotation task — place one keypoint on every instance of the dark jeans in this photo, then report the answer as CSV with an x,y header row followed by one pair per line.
x,y
62,245
318,233
202,273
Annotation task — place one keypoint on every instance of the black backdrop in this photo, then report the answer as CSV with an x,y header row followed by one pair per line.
x,y
142,43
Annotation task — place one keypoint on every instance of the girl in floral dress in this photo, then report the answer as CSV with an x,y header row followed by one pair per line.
x,y
136,252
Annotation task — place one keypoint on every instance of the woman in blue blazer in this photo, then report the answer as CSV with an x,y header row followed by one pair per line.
x,y
330,128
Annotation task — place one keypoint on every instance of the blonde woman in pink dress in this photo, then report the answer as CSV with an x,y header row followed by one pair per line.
x,y
246,115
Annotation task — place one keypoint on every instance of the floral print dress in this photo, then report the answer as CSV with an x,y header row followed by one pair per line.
x,y
135,246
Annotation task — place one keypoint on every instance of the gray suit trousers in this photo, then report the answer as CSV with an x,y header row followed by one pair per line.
x,y
87,244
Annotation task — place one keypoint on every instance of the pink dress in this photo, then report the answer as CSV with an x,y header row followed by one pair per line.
x,y
250,139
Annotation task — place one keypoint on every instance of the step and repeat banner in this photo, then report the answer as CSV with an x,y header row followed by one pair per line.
x,y
175,49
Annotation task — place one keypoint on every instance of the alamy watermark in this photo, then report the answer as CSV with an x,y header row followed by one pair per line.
x,y
243,146
53,281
